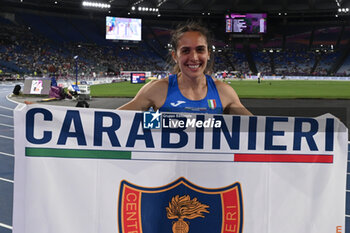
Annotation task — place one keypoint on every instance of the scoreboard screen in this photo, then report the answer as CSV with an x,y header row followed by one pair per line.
x,y
246,23
123,28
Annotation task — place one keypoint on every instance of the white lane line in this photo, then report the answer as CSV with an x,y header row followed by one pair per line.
x,y
1,136
6,180
11,126
7,108
8,98
5,226
6,116
7,154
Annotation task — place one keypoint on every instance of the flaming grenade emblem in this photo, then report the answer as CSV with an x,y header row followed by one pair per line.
x,y
183,207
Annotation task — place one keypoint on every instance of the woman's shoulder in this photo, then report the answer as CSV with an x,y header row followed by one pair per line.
x,y
159,83
157,91
226,91
220,85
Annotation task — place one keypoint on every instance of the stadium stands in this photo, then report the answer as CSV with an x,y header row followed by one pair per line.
x,y
263,62
46,45
38,44
294,62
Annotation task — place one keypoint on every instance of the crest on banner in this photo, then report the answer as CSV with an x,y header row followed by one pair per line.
x,y
180,207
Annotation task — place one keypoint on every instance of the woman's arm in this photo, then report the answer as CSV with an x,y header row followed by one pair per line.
x,y
230,101
153,94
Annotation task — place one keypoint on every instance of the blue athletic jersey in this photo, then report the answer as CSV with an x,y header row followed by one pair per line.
x,y
176,102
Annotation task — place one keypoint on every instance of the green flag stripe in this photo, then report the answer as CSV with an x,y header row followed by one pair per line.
x,y
72,153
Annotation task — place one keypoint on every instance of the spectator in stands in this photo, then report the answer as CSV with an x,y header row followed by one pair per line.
x,y
190,89
23,51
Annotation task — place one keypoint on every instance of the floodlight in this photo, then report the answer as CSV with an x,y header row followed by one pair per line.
x,y
96,4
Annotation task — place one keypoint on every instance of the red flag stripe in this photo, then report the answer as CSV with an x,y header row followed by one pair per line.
x,y
283,158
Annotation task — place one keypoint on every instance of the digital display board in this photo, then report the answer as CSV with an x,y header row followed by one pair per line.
x,y
138,78
123,28
247,23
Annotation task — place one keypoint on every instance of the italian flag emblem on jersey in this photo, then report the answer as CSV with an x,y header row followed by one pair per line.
x,y
212,103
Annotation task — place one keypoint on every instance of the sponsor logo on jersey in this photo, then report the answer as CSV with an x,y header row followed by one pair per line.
x,y
180,207
179,102
195,109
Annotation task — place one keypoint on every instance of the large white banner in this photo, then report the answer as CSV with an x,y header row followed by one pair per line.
x,y
93,170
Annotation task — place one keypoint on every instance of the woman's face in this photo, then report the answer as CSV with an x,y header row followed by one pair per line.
x,y
192,54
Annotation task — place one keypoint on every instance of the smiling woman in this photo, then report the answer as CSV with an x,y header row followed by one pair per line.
x,y
190,88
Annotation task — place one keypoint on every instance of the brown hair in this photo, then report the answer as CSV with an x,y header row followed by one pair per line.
x,y
191,26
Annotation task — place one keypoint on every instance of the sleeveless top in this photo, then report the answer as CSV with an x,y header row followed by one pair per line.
x,y
176,102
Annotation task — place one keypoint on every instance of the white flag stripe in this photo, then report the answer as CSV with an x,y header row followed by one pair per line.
x,y
200,157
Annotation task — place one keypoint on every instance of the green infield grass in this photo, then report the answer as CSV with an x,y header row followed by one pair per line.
x,y
278,89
